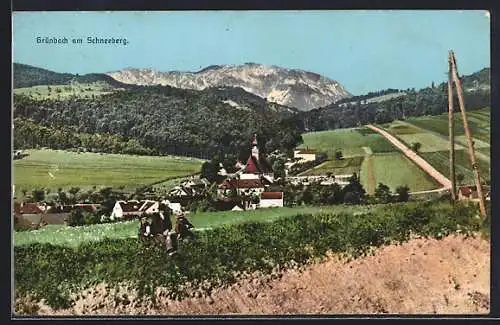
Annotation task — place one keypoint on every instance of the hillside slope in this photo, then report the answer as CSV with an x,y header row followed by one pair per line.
x,y
29,76
296,88
422,276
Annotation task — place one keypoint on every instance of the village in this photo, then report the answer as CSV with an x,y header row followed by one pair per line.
x,y
252,186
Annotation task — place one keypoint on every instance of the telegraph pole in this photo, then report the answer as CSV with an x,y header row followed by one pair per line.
x,y
451,129
472,154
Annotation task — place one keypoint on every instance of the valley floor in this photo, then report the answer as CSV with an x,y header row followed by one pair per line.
x,y
422,276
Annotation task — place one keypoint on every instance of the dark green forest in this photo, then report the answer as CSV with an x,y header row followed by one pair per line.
x,y
163,119
427,101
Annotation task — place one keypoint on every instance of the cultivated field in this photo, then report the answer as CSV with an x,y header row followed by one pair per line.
x,y
56,168
432,133
346,166
393,170
441,161
349,141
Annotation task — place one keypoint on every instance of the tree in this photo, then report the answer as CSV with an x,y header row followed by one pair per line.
x,y
383,193
415,146
38,195
279,168
402,193
338,155
352,198
355,187
76,218
460,178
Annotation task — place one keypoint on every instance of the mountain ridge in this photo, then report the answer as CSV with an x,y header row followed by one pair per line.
x,y
297,88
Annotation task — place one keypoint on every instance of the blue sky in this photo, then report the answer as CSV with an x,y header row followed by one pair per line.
x,y
363,50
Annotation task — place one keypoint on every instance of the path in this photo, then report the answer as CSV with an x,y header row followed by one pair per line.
x,y
419,161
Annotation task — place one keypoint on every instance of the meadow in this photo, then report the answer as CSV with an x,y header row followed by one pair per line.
x,y
479,123
65,91
346,166
63,169
75,236
393,170
349,141
440,161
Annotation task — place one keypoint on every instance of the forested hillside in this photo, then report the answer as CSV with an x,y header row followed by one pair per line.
x,y
432,100
165,120
28,76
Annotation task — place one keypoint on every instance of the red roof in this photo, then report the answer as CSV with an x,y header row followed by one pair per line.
x,y
147,205
306,151
242,183
86,207
130,206
27,208
271,195
257,166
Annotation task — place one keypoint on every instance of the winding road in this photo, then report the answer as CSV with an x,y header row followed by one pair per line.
x,y
433,172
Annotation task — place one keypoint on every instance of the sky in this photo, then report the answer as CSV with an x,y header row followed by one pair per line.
x,y
363,50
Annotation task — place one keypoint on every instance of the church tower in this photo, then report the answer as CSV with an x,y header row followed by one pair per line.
x,y
255,150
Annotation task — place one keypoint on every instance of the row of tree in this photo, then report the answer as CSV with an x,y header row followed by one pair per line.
x,y
353,193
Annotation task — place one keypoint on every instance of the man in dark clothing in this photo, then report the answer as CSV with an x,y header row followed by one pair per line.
x,y
145,229
183,226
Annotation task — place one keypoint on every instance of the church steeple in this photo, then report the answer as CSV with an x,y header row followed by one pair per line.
x,y
255,150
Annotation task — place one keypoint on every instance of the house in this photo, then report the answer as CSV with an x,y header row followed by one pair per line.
x,y
175,207
305,154
87,207
182,191
271,199
133,208
242,186
470,192
196,183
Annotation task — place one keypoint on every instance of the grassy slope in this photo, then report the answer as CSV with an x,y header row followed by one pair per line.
x,y
65,91
346,166
393,170
440,161
349,141
89,169
74,236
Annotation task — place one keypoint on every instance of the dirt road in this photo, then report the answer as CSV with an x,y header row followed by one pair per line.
x,y
434,173
424,276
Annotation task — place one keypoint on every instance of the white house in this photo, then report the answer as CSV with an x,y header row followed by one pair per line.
x,y
133,208
175,207
271,199
305,154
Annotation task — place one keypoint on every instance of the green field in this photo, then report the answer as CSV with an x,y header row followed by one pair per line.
x,y
349,141
56,168
429,142
440,161
74,236
393,170
479,123
65,91
346,166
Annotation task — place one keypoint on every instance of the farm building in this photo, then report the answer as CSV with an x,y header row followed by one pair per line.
x,y
470,193
271,199
133,208
182,191
305,154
